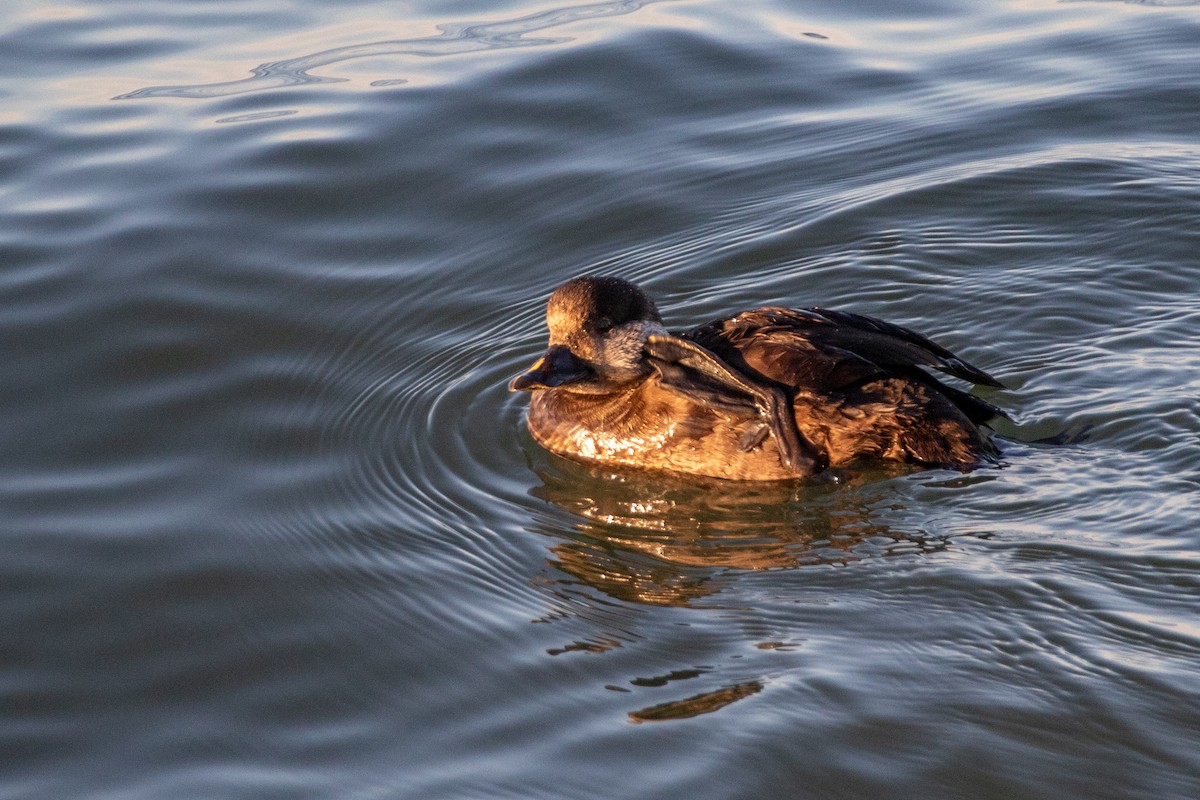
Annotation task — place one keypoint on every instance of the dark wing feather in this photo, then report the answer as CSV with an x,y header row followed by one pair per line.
x,y
780,345
894,346
691,370
823,349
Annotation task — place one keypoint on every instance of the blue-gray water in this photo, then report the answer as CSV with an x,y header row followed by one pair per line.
x,y
272,525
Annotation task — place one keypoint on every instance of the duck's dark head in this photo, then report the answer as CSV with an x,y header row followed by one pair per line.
x,y
598,331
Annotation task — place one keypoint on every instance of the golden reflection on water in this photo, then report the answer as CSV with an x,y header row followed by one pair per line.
x,y
699,704
662,540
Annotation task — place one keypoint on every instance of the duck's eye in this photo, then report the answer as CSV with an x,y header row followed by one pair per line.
x,y
604,325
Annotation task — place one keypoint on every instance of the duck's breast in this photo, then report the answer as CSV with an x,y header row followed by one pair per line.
x,y
650,427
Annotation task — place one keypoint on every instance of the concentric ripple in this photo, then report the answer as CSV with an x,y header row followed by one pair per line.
x,y
274,525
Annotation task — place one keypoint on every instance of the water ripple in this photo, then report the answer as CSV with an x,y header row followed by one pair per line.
x,y
272,513
455,39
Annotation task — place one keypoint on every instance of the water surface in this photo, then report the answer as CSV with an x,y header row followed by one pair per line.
x,y
274,527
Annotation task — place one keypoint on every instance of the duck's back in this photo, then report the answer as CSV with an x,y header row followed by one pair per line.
x,y
856,384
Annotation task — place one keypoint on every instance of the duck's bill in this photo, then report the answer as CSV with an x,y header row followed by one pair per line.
x,y
557,367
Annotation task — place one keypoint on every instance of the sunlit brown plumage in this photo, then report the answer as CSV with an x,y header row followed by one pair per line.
x,y
766,394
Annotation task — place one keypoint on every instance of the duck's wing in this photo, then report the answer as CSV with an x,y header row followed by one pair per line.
x,y
693,371
824,349
891,345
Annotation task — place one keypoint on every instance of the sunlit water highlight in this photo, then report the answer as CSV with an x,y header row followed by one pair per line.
x,y
274,526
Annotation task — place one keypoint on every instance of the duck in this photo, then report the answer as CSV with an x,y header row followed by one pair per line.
x,y
768,394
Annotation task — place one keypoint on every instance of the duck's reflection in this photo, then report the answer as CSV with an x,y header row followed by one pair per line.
x,y
650,538
654,538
